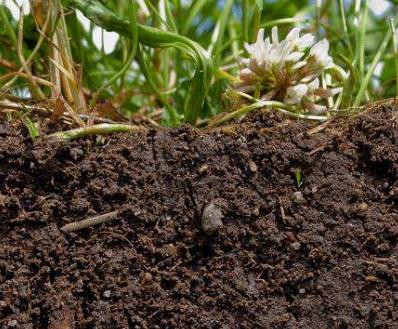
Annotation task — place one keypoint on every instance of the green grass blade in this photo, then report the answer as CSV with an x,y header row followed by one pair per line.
x,y
194,10
157,38
395,51
376,59
134,44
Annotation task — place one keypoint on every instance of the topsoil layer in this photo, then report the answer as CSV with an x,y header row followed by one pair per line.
x,y
326,257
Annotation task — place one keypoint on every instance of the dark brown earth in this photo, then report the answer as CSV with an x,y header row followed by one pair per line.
x,y
325,258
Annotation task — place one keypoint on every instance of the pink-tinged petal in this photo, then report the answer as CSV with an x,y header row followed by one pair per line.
x,y
314,108
247,75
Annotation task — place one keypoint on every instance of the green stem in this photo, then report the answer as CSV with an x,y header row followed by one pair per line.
x,y
132,53
8,26
245,21
278,106
362,37
144,67
395,52
157,38
376,59
256,21
344,22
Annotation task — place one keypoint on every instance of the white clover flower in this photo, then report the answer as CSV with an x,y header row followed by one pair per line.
x,y
288,70
294,95
320,54
300,43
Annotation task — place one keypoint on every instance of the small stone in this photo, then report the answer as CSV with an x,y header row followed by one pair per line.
x,y
298,197
146,278
362,207
318,239
253,166
212,218
107,293
203,169
302,291
296,246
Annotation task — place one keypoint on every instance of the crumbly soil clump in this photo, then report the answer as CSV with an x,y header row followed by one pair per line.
x,y
215,228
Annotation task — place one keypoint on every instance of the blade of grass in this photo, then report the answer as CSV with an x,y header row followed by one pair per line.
x,y
368,77
132,52
345,28
219,31
395,52
157,38
33,53
193,12
31,127
245,21
8,27
256,21
362,39
169,15
36,91
144,67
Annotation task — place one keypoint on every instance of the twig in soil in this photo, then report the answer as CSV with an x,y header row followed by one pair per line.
x,y
100,129
96,220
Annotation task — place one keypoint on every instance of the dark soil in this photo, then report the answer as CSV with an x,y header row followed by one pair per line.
x,y
326,257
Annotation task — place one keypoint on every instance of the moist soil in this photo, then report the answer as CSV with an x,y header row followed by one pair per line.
x,y
315,252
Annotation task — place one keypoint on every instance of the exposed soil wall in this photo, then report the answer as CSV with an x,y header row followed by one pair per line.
x,y
326,257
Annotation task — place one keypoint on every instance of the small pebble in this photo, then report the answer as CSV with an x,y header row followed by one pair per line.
x,y
302,291
146,278
212,218
253,166
298,197
318,239
362,207
296,246
107,293
203,169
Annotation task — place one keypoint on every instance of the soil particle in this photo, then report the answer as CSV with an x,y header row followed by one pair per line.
x,y
328,262
298,197
212,218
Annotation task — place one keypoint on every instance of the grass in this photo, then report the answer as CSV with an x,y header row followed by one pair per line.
x,y
179,58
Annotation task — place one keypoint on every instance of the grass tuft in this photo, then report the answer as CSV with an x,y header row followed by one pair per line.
x,y
179,61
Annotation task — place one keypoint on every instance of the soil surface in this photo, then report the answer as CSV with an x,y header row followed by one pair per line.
x,y
320,255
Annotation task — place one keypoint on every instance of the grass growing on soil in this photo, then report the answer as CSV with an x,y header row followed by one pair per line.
x,y
178,61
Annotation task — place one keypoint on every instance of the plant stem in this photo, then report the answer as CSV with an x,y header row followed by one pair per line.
x,y
132,53
345,28
364,23
156,38
245,21
376,59
100,129
95,220
395,52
